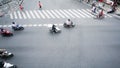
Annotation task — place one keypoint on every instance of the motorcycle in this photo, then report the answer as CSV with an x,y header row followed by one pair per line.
x,y
97,17
5,54
4,64
57,30
18,27
68,25
6,33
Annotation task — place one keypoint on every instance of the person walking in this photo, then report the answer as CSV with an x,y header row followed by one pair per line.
x,y
21,7
39,4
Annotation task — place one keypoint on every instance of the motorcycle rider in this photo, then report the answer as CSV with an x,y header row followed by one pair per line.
x,y
94,9
112,10
14,24
100,14
40,5
69,22
54,28
2,30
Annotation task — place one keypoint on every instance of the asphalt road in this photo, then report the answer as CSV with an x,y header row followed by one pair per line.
x,y
91,44
85,46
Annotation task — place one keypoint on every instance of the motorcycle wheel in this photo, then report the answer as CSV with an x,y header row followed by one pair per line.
x,y
22,28
11,34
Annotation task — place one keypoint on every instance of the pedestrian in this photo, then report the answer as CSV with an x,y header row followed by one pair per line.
x,y
100,14
21,7
39,4
93,4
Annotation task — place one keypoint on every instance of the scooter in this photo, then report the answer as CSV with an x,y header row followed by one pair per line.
x,y
17,28
7,65
68,25
5,54
6,33
99,17
57,30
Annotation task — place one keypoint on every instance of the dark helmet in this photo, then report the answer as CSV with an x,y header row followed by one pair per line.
x,y
53,25
1,29
68,19
13,22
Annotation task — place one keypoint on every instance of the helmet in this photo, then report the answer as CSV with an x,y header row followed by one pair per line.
x,y
53,24
68,19
1,29
13,22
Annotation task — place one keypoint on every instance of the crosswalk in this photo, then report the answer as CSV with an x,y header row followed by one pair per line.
x,y
52,14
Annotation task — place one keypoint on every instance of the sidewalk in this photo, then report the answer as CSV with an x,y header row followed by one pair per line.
x,y
106,7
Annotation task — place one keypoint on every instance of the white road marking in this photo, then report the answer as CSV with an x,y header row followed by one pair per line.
x,y
67,12
11,15
108,15
87,13
24,16
59,13
36,14
83,13
54,13
64,13
32,14
39,25
72,12
50,13
19,15
41,14
45,14
28,15
15,15
78,13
